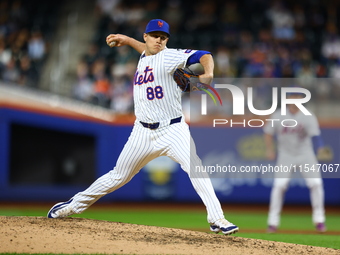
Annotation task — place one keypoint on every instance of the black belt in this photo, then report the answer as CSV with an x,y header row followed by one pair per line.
x,y
156,125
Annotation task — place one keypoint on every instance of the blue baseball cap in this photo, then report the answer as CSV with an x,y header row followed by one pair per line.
x,y
157,25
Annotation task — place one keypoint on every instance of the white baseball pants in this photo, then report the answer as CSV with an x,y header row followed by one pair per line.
x,y
143,146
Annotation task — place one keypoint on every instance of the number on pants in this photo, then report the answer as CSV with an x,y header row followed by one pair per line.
x,y
152,93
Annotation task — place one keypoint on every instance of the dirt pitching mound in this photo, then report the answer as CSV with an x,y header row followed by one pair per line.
x,y
85,236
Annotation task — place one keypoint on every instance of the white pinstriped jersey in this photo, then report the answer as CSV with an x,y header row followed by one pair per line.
x,y
294,140
156,94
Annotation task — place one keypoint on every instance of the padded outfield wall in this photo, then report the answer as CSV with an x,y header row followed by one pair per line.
x,y
46,156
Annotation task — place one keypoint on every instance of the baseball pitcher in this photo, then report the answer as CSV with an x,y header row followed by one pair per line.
x,y
160,128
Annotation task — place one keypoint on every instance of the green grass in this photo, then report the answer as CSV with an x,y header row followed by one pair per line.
x,y
196,220
322,240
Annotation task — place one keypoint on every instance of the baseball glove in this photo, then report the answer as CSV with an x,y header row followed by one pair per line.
x,y
188,81
184,77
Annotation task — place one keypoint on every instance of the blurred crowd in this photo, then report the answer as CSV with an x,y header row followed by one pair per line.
x,y
248,38
25,29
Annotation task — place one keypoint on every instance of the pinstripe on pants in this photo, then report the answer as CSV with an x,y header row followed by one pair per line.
x,y
143,146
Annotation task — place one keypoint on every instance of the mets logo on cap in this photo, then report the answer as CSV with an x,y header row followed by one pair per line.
x,y
157,25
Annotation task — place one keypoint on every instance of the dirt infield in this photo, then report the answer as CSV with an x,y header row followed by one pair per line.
x,y
83,236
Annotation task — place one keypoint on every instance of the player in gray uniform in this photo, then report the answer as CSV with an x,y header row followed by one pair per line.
x,y
159,129
295,148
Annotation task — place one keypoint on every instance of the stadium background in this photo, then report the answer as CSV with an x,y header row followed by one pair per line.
x,y
65,97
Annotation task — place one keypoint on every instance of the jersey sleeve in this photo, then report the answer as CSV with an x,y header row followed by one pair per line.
x,y
176,58
313,128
